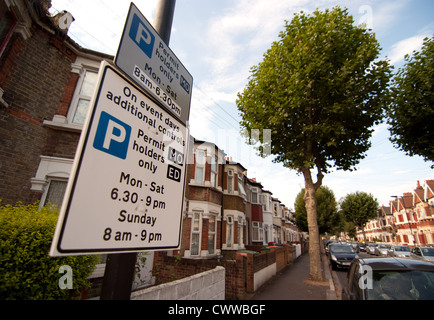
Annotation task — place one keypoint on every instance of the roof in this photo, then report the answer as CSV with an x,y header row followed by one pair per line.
x,y
397,264
430,189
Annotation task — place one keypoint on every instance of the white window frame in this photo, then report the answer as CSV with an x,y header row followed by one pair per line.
x,y
50,168
197,232
241,189
229,231
230,182
78,96
65,123
257,225
214,171
212,234
255,195
48,188
200,180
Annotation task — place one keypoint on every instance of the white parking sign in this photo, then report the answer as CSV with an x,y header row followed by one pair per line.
x,y
126,188
145,58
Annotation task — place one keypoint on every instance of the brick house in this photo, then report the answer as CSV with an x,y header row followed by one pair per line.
x,y
409,220
259,230
46,82
234,232
202,223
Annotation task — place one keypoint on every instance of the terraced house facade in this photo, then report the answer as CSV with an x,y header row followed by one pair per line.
x,y
408,220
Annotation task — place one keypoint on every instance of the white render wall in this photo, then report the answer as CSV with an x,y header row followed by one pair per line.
x,y
209,285
263,275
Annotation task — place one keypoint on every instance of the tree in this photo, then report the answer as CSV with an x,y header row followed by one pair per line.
x,y
411,113
359,208
327,211
319,89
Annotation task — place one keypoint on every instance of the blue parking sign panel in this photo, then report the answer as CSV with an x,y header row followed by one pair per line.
x,y
142,36
112,136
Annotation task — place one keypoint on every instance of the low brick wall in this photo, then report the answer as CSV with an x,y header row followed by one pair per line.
x,y
208,285
245,272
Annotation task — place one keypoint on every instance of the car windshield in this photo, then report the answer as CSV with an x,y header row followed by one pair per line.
x,y
341,249
402,248
384,246
373,245
428,252
409,285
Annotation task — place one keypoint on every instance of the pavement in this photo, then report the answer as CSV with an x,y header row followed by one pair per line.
x,y
292,283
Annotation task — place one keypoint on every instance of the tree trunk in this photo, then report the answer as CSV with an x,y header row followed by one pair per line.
x,y
316,272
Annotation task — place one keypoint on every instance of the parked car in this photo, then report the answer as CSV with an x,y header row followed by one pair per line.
x,y
327,248
382,249
355,245
399,251
362,246
371,248
424,253
341,255
390,279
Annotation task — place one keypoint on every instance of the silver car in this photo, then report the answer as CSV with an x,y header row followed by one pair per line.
x,y
423,253
382,249
399,251
371,248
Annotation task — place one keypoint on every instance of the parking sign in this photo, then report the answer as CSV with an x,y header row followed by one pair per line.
x,y
145,58
126,189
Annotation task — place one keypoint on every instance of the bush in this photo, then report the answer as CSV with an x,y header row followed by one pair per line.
x,y
26,270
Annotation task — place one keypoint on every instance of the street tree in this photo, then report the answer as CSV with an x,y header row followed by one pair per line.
x,y
327,211
411,112
319,90
359,208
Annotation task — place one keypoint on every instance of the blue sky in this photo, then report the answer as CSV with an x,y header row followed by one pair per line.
x,y
219,41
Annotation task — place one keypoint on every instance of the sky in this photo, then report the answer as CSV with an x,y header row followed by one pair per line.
x,y
219,41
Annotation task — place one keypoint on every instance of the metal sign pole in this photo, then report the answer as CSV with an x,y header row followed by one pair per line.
x,y
119,271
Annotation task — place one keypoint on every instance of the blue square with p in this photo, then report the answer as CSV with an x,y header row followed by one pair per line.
x,y
112,136
142,36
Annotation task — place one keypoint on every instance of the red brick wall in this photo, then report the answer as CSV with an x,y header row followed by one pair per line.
x,y
35,75
167,269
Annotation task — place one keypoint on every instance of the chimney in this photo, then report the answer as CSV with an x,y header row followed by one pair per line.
x,y
63,21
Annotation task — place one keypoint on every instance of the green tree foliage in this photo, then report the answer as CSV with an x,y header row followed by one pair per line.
x,y
359,208
411,113
319,89
26,270
327,212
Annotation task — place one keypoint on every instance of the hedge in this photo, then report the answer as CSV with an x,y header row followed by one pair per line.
x,y
26,270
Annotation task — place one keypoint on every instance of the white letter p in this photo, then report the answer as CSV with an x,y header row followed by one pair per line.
x,y
111,136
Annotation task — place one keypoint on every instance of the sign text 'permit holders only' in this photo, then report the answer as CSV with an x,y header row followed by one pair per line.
x,y
126,188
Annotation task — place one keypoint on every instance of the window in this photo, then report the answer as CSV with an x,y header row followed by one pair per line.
x,y
230,181
213,171
254,195
55,193
257,231
229,231
51,179
240,186
195,234
83,95
200,167
211,234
